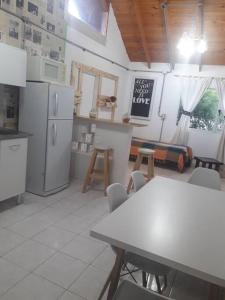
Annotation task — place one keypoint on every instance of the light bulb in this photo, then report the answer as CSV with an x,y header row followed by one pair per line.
x,y
186,46
202,46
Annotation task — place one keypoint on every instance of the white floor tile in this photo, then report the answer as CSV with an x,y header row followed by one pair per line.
x,y
61,269
72,203
10,274
83,248
74,223
9,240
11,216
105,261
53,214
29,255
34,288
54,237
31,226
90,283
70,296
46,201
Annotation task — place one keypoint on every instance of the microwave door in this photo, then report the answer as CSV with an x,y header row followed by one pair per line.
x,y
51,71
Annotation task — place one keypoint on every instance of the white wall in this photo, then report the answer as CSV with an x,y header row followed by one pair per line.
x,y
204,143
113,49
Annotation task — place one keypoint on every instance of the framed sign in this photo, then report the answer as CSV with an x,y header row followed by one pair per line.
x,y
142,96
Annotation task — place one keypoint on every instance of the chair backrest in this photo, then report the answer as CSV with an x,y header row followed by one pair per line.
x,y
117,195
131,291
206,177
138,180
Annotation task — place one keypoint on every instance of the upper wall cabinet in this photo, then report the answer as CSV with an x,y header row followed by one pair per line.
x,y
13,65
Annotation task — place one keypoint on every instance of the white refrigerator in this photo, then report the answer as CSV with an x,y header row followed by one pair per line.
x,y
46,112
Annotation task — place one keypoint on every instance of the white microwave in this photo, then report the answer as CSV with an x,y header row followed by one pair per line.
x,y
45,70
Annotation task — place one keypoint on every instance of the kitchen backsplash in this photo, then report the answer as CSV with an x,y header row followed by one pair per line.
x,y
9,98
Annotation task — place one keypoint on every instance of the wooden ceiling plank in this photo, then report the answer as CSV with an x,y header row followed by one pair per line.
x,y
142,31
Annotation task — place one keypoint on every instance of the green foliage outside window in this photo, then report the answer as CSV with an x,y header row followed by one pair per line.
x,y
206,115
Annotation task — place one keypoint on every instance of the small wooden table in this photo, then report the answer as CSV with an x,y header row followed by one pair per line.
x,y
207,162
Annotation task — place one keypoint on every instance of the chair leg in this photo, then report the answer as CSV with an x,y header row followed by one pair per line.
x,y
158,284
144,279
165,282
150,166
130,273
89,171
136,167
106,170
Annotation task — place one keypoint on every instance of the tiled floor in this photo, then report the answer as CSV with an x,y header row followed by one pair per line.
x,y
46,252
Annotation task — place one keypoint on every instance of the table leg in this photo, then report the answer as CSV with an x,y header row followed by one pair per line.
x,y
216,293
115,275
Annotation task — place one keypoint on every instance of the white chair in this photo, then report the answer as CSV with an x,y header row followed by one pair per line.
x,y
117,195
206,177
138,179
131,291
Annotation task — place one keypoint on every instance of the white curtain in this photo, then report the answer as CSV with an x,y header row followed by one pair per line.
x,y
220,87
192,90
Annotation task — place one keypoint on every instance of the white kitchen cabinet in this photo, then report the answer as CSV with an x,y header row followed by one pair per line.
x,y
13,162
13,65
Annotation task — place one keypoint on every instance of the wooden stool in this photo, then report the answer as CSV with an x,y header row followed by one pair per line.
x,y
105,151
142,153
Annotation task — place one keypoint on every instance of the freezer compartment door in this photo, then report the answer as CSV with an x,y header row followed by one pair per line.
x,y
58,154
61,102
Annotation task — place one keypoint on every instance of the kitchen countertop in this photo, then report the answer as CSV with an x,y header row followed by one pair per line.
x,y
9,134
108,121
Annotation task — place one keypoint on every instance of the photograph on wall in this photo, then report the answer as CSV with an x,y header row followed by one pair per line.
x,y
36,36
19,3
28,32
50,27
142,96
50,6
33,9
14,29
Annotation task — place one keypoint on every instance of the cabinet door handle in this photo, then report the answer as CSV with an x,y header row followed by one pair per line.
x,y
14,147
54,134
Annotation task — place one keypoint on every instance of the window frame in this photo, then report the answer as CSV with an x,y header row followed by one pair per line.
x,y
85,28
216,131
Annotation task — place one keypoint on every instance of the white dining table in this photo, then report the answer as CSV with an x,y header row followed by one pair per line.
x,y
174,223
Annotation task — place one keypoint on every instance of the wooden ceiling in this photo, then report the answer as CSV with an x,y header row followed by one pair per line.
x,y
143,29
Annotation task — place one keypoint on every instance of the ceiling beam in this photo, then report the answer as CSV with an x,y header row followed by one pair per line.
x,y
142,31
201,15
164,7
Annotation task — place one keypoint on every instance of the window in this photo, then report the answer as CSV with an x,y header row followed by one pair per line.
x,y
206,115
91,12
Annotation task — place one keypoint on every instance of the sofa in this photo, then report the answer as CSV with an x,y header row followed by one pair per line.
x,y
176,156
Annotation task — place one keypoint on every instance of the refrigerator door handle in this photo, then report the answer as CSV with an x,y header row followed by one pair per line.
x,y
56,110
54,134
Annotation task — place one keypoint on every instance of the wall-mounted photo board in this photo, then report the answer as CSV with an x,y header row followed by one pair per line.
x,y
142,97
